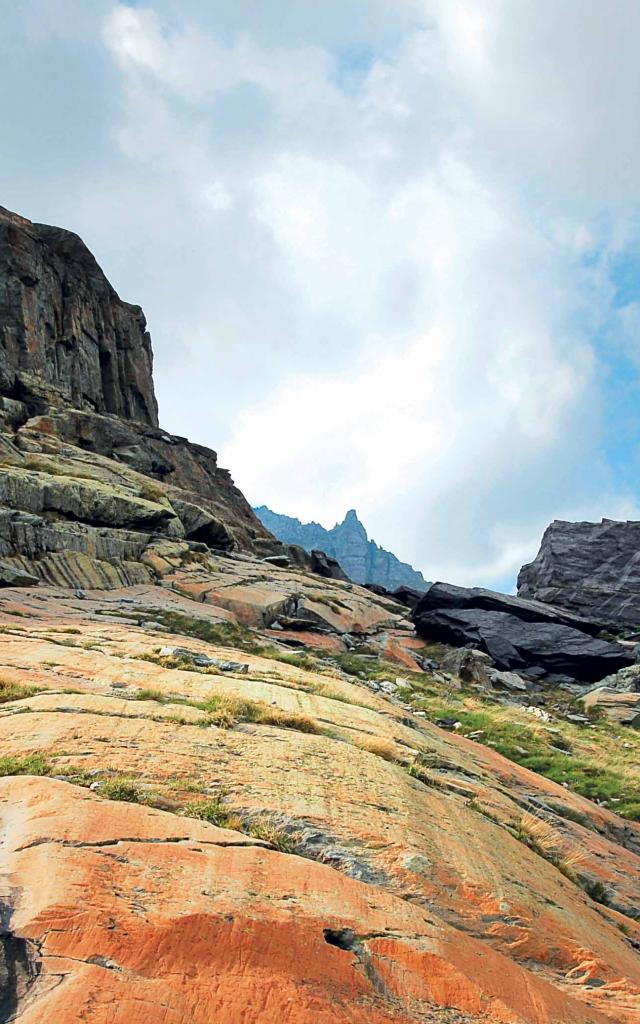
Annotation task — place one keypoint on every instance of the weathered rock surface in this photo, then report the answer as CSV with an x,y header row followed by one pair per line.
x,y
518,634
362,559
313,947
622,707
79,435
121,913
12,576
590,568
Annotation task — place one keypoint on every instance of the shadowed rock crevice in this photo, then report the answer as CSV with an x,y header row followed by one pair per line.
x,y
347,940
18,972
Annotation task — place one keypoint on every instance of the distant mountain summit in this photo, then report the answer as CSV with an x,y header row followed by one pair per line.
x,y
361,558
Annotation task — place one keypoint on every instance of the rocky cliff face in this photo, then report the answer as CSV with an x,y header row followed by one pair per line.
x,y
361,558
591,568
66,337
81,452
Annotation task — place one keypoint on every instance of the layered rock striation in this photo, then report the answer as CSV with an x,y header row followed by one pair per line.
x,y
591,568
362,559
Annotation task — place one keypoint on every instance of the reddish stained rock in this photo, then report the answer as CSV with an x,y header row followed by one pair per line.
x,y
491,909
321,641
130,915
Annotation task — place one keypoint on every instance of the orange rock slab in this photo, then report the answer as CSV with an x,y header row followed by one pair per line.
x,y
129,916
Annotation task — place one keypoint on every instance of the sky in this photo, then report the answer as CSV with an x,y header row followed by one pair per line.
x,y
388,250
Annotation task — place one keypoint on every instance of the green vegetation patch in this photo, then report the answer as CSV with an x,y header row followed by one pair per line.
x,y
30,764
586,762
10,691
216,812
120,787
213,810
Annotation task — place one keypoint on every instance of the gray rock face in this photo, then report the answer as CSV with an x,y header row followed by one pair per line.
x,y
65,335
11,576
360,558
590,568
520,635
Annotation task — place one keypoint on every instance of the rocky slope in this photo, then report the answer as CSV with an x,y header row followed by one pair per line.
x,y
275,840
84,465
362,559
235,790
592,568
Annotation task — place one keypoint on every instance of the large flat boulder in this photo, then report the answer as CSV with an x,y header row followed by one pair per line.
x,y
618,706
84,501
517,634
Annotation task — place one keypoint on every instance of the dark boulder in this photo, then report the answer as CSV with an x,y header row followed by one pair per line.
x,y
446,595
323,565
377,589
527,636
407,596
590,568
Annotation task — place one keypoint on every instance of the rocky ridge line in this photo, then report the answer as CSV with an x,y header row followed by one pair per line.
x,y
362,559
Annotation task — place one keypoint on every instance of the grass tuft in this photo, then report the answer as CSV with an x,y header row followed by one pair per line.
x,y
122,788
30,764
226,711
381,748
214,811
10,691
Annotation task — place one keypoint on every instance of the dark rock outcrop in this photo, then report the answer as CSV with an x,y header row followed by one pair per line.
x,y
526,636
323,565
362,559
66,336
591,568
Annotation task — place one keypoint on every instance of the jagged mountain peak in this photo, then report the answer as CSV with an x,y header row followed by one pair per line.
x,y
348,542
